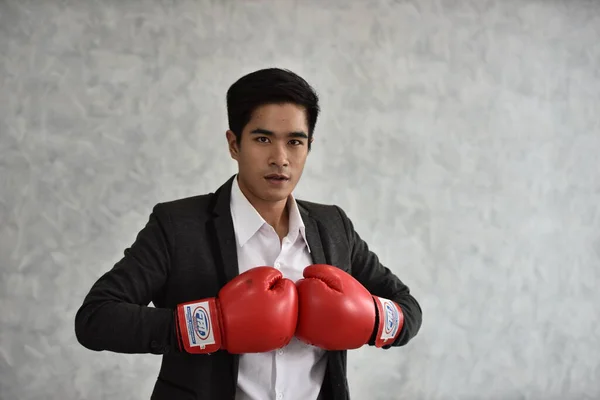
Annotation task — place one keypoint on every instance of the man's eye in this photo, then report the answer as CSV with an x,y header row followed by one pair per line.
x,y
296,142
262,139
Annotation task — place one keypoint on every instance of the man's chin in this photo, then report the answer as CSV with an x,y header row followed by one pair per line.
x,y
276,194
276,197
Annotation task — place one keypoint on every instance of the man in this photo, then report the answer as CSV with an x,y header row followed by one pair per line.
x,y
257,295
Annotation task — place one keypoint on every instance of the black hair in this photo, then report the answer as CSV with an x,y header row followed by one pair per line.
x,y
269,86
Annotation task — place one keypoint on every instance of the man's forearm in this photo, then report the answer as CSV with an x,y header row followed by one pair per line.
x,y
125,328
412,318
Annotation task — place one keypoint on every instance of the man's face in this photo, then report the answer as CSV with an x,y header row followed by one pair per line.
x,y
272,153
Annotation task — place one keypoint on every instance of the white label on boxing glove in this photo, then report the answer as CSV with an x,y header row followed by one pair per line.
x,y
390,319
200,329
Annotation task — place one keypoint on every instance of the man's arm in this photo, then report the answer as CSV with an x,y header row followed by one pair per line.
x,y
115,315
380,281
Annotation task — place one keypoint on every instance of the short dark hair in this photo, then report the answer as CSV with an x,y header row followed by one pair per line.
x,y
269,86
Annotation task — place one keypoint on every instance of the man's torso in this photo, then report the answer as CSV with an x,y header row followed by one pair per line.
x,y
297,370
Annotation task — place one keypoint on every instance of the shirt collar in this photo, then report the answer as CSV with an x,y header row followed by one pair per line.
x,y
247,221
296,223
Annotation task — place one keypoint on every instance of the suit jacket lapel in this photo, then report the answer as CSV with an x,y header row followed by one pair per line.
x,y
313,236
223,231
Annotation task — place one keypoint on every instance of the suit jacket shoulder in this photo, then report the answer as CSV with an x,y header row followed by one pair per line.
x,y
188,206
330,216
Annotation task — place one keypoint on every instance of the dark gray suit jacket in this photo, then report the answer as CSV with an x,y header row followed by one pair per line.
x,y
186,252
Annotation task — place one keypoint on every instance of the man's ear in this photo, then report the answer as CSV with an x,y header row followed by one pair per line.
x,y
234,148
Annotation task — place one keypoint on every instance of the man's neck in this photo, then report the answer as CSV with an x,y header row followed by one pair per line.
x,y
276,215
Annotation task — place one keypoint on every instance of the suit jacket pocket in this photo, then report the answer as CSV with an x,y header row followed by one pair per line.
x,y
165,390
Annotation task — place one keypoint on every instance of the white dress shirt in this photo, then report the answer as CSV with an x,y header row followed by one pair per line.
x,y
296,371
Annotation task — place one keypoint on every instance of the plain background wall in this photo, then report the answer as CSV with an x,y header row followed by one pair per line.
x,y
462,138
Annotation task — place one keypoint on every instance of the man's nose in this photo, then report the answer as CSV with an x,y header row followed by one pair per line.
x,y
279,156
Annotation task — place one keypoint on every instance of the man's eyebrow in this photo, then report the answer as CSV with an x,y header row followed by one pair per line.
x,y
299,134
260,131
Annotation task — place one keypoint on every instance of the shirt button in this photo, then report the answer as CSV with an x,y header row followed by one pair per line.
x,y
279,396
277,264
280,352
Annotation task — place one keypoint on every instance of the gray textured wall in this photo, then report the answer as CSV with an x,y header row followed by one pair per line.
x,y
462,137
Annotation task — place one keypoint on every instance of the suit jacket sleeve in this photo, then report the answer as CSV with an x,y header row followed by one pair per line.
x,y
115,315
380,281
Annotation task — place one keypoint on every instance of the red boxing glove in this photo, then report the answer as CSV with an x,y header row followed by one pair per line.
x,y
336,312
255,312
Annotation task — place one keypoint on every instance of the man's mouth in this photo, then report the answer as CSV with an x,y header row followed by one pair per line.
x,y
277,177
